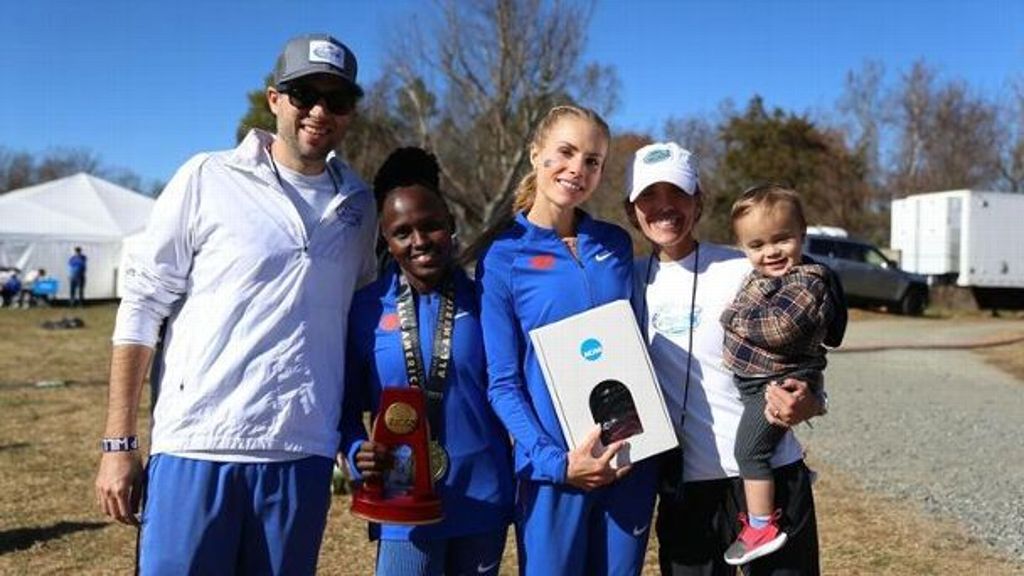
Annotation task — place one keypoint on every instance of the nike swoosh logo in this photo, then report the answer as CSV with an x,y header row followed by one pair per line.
x,y
460,315
640,530
603,256
483,569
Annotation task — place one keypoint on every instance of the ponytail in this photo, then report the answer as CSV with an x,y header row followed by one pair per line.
x,y
526,191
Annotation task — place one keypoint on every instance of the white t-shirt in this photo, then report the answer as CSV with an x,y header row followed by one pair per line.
x,y
714,408
310,194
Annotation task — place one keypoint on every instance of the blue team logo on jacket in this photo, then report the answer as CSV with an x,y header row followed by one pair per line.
x,y
349,215
591,349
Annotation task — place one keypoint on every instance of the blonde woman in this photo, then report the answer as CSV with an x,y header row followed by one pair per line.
x,y
575,514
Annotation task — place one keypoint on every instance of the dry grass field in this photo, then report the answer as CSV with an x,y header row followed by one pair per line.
x,y
48,453
1009,358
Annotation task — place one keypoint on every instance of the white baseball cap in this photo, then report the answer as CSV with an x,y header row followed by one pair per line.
x,y
663,162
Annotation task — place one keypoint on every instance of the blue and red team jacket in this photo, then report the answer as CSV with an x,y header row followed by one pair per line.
x,y
528,278
477,492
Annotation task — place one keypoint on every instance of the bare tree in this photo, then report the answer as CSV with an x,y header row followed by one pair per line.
x,y
21,169
1011,164
948,136
61,162
863,106
701,135
912,105
962,147
17,170
476,80
375,131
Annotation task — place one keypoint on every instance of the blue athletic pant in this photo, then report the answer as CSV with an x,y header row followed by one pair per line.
x,y
472,554
223,518
568,532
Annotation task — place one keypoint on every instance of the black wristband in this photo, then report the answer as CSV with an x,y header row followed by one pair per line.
x,y
120,444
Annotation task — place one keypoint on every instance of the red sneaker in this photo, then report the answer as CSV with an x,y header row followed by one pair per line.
x,y
754,543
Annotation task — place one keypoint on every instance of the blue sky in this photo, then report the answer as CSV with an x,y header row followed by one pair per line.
x,y
146,84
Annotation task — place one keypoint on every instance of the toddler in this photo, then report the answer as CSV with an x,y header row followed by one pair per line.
x,y
788,308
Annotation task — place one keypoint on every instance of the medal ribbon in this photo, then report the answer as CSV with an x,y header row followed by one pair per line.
x,y
433,387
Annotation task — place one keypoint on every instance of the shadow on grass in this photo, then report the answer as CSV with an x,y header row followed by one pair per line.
x,y
24,538
14,446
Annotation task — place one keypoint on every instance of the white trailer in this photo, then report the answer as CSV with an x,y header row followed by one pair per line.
x,y
971,237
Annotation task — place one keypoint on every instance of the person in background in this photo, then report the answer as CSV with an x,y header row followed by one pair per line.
x,y
10,288
31,293
77,265
424,288
682,289
253,256
576,514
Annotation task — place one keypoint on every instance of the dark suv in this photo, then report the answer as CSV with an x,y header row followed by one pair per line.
x,y
868,277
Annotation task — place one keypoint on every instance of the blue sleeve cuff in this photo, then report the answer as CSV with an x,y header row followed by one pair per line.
x,y
559,465
350,457
550,463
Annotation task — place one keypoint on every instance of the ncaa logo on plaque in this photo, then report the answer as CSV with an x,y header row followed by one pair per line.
x,y
591,349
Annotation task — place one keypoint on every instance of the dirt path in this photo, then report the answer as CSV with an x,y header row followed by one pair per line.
x,y
935,427
912,333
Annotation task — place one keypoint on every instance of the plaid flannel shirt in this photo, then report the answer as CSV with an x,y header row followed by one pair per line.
x,y
777,325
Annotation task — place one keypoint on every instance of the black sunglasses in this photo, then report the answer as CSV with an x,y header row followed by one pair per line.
x,y
304,96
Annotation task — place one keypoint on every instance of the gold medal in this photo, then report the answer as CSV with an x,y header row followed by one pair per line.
x,y
438,460
400,418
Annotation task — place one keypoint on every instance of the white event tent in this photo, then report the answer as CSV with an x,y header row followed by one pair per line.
x,y
41,225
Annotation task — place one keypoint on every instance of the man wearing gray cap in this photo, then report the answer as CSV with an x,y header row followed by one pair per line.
x,y
252,256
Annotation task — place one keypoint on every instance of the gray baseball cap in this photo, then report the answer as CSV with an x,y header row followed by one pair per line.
x,y
316,54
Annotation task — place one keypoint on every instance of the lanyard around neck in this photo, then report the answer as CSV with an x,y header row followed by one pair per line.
x,y
433,386
675,488
693,309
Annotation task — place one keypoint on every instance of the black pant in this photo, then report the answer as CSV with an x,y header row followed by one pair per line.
x,y
756,439
694,531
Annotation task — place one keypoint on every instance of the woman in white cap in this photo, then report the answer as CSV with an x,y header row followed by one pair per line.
x,y
680,291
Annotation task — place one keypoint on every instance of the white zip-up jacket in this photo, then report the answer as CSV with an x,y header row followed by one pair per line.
x,y
254,351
